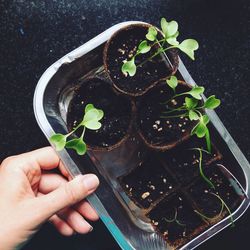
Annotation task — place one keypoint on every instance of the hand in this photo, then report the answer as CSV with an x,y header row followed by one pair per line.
x,y
30,195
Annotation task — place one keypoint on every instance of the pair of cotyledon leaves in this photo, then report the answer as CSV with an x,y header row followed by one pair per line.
x,y
91,120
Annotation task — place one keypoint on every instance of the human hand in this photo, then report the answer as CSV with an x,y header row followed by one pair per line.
x,y
30,195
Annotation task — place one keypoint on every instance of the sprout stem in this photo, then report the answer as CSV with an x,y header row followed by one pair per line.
x,y
208,140
201,170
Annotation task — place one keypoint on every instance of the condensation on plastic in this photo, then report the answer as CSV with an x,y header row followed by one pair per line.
x,y
122,217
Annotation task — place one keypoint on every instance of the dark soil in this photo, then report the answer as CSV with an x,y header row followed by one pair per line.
x,y
209,204
117,113
178,231
157,130
123,46
148,182
184,162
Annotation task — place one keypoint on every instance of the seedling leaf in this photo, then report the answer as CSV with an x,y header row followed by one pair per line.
x,y
172,41
205,119
199,130
152,33
100,114
192,115
59,141
129,67
196,92
191,103
93,124
144,47
164,25
171,29
188,46
172,82
92,114
89,107
78,145
211,102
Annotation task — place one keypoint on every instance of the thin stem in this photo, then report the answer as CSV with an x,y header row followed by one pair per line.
x,y
208,141
83,132
173,110
155,54
176,95
202,173
70,133
203,216
212,218
179,223
226,206
169,221
201,149
78,126
158,42
200,114
74,129
174,116
175,219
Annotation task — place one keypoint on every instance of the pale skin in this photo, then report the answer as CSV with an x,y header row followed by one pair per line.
x,y
30,195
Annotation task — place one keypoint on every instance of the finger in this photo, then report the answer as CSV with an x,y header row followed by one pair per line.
x,y
61,226
30,165
49,182
75,221
85,209
66,195
46,158
32,162
64,171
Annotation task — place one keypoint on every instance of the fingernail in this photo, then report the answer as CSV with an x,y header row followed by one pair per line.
x,y
91,229
90,181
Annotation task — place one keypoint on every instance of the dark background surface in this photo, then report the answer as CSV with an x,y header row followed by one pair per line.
x,y
34,34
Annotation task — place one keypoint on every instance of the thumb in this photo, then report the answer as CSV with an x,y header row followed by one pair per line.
x,y
67,195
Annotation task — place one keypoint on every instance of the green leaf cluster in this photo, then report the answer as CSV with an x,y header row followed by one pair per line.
x,y
91,120
192,109
200,129
169,34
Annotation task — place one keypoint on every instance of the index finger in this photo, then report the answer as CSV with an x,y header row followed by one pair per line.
x,y
45,157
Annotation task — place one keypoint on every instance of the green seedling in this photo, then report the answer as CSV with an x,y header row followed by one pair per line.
x,y
211,185
174,220
201,151
163,40
223,205
193,109
91,120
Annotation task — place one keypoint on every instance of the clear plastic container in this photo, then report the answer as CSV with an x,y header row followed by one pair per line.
x,y
124,219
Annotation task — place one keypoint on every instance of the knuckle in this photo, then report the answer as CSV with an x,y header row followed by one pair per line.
x,y
71,194
11,160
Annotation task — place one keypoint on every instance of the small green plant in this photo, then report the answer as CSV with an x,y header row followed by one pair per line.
x,y
192,108
212,186
165,41
201,151
223,205
91,120
175,219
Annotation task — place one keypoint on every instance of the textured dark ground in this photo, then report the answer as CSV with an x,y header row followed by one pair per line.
x,y
34,34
